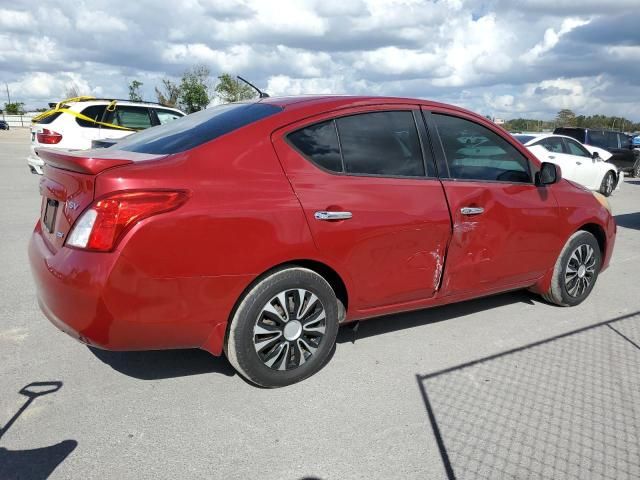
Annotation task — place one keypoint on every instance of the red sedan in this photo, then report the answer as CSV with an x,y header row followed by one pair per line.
x,y
257,228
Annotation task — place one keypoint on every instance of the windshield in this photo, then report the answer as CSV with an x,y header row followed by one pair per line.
x,y
195,129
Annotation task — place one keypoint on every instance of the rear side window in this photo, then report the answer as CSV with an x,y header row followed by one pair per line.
x,y
488,158
381,143
597,138
94,112
553,144
132,117
319,142
195,129
377,143
612,140
166,116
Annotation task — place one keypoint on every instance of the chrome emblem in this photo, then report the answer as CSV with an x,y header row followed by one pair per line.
x,y
59,234
71,205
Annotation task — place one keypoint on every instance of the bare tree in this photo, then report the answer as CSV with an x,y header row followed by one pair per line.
x,y
168,97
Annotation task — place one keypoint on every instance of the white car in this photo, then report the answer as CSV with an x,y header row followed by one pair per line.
x,y
577,162
76,123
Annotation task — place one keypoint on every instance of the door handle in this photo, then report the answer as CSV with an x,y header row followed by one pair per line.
x,y
552,157
578,163
471,210
327,216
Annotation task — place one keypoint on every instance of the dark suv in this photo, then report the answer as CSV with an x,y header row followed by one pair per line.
x,y
4,125
624,157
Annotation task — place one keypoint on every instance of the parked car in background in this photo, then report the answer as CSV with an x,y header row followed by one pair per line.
x,y
257,228
75,124
623,156
577,163
4,125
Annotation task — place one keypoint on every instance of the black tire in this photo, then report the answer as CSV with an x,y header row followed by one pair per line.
x,y
608,184
293,349
562,290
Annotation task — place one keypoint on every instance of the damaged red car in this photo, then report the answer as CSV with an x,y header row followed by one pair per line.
x,y
256,229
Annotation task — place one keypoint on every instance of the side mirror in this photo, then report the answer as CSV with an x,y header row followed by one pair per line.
x,y
595,155
549,174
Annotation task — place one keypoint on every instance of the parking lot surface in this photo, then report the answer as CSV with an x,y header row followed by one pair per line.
x,y
502,387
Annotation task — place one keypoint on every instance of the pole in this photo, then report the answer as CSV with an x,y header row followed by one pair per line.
x,y
8,96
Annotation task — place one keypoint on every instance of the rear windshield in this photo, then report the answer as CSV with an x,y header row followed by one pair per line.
x,y
524,138
195,129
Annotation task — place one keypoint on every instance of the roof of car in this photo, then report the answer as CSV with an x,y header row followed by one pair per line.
x,y
538,136
105,101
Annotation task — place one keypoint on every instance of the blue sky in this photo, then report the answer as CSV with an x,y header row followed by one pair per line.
x,y
509,59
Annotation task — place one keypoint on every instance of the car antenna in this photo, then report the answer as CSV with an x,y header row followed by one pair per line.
x,y
260,92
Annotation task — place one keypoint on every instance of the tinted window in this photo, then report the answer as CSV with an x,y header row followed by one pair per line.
x,y
195,129
597,138
553,144
94,112
612,140
49,119
492,159
166,116
577,133
381,143
319,142
574,148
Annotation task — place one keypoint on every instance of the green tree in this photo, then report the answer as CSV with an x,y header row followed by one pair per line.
x,y
14,108
230,89
134,91
566,118
169,97
194,89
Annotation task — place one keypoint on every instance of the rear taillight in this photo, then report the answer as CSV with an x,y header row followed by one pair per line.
x,y
101,227
48,136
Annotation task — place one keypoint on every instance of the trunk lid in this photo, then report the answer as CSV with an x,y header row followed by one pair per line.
x,y
68,186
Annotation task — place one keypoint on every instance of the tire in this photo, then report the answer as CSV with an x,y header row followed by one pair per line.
x,y
271,349
568,289
608,184
636,167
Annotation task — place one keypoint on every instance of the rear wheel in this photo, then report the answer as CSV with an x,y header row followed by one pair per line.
x,y
608,184
284,328
576,270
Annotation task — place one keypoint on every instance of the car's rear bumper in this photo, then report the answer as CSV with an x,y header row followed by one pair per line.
x,y
104,300
36,164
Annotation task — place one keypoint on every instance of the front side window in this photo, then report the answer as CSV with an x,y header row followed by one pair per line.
x,y
612,140
376,143
574,148
490,159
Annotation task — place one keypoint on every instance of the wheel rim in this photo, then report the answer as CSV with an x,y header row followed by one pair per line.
x,y
609,183
581,270
289,329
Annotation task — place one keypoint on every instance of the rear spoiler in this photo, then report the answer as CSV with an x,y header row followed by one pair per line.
x,y
90,162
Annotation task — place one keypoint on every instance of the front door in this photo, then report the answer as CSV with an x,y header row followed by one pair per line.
x,y
504,227
375,209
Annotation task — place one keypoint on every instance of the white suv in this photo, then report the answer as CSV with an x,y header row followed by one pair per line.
x,y
100,119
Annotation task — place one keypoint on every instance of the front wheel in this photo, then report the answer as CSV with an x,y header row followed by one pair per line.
x,y
576,270
608,184
284,328
636,166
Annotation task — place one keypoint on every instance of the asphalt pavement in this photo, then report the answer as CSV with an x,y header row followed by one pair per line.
x,y
501,387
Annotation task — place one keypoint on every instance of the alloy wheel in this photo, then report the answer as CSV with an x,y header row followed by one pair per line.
x,y
289,329
581,270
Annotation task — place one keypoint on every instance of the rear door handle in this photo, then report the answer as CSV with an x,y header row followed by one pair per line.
x,y
327,216
471,210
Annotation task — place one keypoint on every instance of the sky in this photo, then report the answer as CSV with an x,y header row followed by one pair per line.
x,y
502,58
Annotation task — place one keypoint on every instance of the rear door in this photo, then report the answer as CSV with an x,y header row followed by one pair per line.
x,y
619,145
504,227
366,181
